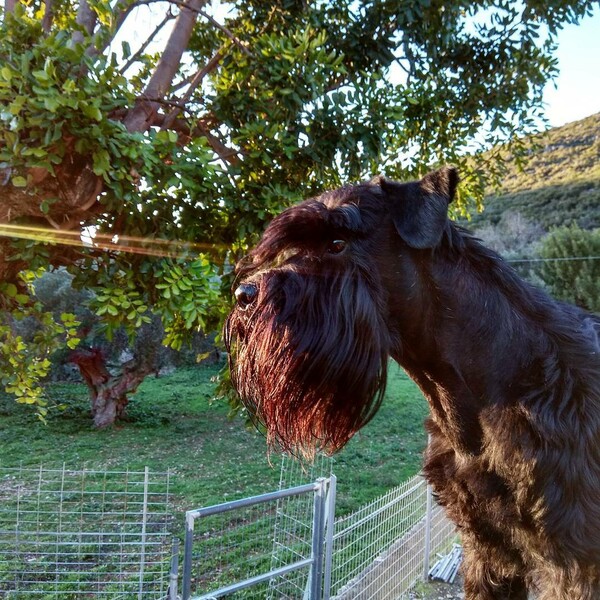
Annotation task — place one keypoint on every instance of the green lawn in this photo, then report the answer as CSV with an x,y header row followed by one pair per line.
x,y
173,425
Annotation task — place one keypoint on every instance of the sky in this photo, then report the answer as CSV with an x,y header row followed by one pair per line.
x,y
577,91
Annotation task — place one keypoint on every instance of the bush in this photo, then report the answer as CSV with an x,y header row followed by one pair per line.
x,y
571,268
513,236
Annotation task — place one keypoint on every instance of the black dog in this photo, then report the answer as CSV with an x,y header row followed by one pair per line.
x,y
341,282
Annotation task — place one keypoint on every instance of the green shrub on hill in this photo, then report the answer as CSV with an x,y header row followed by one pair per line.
x,y
571,268
552,206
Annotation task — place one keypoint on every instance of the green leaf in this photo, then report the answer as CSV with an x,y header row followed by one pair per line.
x,y
19,181
101,160
72,343
51,103
10,289
167,136
69,86
41,75
93,112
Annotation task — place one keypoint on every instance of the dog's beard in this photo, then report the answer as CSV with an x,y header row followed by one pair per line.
x,y
308,358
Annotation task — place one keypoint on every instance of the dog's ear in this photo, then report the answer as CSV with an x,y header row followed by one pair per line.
x,y
420,209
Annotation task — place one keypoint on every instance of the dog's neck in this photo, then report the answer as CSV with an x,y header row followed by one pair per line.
x,y
455,355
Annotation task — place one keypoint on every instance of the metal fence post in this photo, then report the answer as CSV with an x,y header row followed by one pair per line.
x,y
187,555
330,516
144,523
428,517
318,539
173,575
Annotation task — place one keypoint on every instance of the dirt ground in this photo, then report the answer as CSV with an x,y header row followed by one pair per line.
x,y
439,591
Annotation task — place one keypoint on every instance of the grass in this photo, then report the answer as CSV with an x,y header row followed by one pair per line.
x,y
173,425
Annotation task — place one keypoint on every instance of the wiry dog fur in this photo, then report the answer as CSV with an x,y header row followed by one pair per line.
x,y
341,282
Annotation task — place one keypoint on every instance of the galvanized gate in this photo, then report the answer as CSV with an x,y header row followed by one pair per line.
x,y
242,541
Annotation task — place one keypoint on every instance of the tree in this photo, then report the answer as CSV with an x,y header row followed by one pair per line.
x,y
112,370
146,170
570,265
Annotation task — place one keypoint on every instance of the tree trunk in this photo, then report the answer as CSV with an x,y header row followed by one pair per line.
x,y
108,393
142,116
9,6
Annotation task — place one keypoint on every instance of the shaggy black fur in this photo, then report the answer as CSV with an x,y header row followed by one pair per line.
x,y
341,282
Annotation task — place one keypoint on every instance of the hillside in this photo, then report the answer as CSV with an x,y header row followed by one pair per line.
x,y
560,184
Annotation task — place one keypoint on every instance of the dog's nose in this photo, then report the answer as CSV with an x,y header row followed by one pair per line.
x,y
245,294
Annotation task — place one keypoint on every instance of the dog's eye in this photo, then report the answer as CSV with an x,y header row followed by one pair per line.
x,y
336,246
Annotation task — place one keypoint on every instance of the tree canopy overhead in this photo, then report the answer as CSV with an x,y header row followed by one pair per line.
x,y
143,143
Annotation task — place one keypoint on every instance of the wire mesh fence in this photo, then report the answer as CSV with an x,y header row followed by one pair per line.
x,y
378,552
77,533
80,533
379,549
230,548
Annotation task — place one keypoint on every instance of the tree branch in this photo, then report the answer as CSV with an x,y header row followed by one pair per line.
x,y
143,112
214,22
226,31
201,127
226,154
121,11
9,6
410,58
86,19
48,15
208,68
147,42
196,81
185,81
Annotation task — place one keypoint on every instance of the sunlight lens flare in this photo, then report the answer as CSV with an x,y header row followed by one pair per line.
x,y
94,240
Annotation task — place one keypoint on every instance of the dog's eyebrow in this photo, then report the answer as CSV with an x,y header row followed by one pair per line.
x,y
347,212
346,218
354,209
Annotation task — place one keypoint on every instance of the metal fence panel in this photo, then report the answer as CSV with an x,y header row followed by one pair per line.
x,y
71,534
380,550
238,549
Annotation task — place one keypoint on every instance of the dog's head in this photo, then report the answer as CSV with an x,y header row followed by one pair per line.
x,y
308,337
